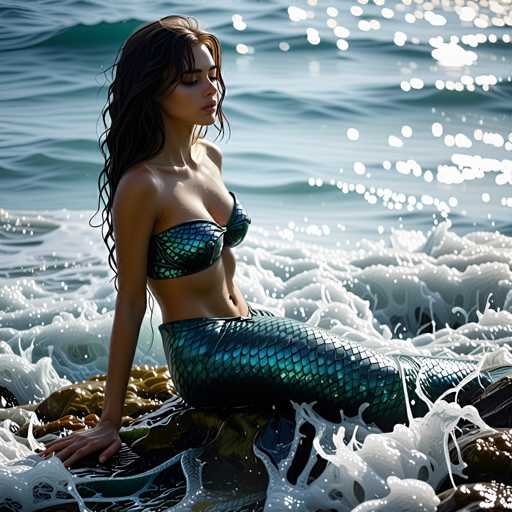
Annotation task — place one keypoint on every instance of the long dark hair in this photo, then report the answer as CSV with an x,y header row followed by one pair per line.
x,y
149,63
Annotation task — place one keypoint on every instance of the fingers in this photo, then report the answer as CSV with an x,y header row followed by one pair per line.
x,y
79,448
57,445
113,448
78,445
87,449
75,455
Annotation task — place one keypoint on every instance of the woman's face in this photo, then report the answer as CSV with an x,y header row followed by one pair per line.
x,y
195,90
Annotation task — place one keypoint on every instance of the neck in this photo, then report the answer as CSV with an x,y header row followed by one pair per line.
x,y
179,149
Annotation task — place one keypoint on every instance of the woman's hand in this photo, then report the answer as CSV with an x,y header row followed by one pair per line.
x,y
104,436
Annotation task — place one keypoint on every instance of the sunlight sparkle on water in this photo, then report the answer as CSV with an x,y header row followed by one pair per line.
x,y
453,55
313,36
238,22
297,14
352,134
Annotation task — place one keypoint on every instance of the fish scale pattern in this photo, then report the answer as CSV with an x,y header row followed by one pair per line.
x,y
194,245
238,224
185,249
263,358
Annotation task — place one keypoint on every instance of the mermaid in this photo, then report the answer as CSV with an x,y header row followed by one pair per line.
x,y
173,225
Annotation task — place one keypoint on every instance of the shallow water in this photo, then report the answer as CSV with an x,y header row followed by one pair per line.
x,y
381,212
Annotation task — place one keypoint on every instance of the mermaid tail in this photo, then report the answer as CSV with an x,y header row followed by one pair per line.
x,y
264,359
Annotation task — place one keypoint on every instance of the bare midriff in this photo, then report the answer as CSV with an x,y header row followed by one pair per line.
x,y
209,293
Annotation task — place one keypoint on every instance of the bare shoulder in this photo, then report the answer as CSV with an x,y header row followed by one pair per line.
x,y
214,152
136,198
134,213
136,183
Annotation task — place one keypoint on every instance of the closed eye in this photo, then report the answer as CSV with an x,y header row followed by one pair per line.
x,y
193,82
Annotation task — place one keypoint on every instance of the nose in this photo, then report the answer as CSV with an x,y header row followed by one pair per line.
x,y
212,88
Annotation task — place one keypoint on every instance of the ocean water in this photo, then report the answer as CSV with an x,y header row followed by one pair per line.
x,y
371,144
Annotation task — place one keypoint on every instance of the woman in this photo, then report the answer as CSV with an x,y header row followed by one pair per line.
x,y
174,225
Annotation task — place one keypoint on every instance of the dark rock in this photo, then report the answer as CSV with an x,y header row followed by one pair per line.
x,y
488,458
495,403
7,399
488,496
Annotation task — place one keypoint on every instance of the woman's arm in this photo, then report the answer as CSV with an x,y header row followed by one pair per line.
x,y
123,341
134,213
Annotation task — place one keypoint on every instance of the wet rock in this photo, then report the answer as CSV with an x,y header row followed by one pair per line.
x,y
489,457
147,388
68,422
489,496
78,405
217,447
495,403
7,399
195,427
60,508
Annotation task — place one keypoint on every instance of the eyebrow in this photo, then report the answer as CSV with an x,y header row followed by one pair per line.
x,y
198,70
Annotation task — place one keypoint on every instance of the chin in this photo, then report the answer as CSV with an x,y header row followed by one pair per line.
x,y
205,122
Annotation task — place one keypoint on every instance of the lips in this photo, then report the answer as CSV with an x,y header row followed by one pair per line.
x,y
210,105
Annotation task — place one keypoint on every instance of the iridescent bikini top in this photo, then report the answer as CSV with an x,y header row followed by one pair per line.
x,y
194,245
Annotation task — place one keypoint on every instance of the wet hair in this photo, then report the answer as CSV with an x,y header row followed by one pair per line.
x,y
149,65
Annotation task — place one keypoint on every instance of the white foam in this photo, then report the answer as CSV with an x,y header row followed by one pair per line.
x,y
396,471
28,381
56,316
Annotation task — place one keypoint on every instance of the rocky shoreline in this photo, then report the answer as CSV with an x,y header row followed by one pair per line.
x,y
157,424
